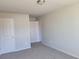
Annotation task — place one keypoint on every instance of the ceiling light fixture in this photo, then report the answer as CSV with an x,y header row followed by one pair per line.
x,y
40,2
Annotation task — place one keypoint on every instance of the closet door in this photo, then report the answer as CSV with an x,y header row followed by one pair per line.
x,y
7,35
34,31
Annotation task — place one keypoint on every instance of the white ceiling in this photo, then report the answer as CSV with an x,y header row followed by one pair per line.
x,y
31,7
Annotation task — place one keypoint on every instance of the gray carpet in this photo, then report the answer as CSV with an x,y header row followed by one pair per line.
x,y
38,51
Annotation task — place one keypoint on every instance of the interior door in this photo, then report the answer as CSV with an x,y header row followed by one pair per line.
x,y
34,32
7,35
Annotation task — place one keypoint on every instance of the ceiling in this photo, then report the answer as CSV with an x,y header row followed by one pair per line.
x,y
31,7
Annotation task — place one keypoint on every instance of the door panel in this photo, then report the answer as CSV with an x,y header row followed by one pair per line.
x,y
34,32
7,35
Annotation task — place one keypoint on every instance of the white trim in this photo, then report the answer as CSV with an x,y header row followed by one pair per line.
x,y
36,42
61,50
17,50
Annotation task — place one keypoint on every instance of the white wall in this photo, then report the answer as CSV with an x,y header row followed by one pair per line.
x,y
60,29
22,29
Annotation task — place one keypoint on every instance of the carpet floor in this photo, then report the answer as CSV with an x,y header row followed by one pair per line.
x,y
38,51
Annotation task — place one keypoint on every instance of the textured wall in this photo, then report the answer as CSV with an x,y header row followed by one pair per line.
x,y
60,29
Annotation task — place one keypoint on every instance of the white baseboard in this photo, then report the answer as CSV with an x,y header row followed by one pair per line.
x,y
35,41
17,50
61,50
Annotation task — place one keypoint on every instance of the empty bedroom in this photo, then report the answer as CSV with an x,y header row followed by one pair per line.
x,y
39,29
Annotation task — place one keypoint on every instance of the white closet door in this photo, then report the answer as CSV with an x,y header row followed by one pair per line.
x,y
7,35
34,32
